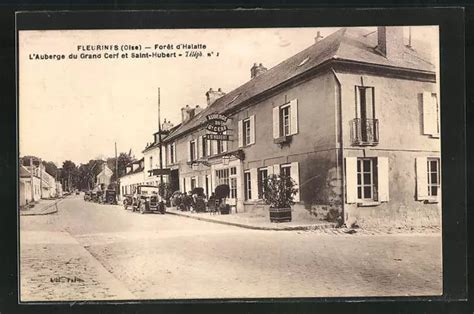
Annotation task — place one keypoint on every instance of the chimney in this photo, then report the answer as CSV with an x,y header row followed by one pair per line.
x,y
212,95
256,70
318,37
390,41
197,110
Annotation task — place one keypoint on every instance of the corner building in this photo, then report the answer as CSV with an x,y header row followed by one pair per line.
x,y
354,119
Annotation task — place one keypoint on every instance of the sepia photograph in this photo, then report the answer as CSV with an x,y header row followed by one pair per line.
x,y
229,163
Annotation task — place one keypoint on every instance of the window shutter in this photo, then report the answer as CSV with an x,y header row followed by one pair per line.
x,y
429,115
202,184
187,181
241,133
168,154
224,144
276,122
208,147
199,147
254,183
351,180
182,189
357,101
383,177
189,151
421,178
276,169
295,175
214,146
252,129
294,116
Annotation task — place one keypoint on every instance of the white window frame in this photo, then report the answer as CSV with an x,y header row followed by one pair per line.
x,y
247,185
261,180
246,128
283,131
362,185
192,150
430,184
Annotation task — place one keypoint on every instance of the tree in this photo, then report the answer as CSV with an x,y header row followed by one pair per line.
x,y
122,160
51,168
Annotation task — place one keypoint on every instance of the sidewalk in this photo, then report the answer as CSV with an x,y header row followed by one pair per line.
x,y
54,267
42,207
257,221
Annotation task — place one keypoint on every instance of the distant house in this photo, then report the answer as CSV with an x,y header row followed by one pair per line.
x,y
30,186
104,177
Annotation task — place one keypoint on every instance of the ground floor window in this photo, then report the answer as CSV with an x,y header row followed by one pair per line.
x,y
366,179
247,186
285,170
433,176
233,187
262,175
193,183
222,176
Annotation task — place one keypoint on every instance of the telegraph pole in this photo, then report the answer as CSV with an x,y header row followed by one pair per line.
x,y
159,139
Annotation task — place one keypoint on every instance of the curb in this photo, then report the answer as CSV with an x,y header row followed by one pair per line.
x,y
44,211
235,224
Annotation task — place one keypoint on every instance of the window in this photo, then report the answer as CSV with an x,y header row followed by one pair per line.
x,y
433,177
222,176
233,187
285,120
365,125
285,170
151,162
247,186
262,175
193,183
192,150
365,108
172,153
220,146
366,177
204,147
246,130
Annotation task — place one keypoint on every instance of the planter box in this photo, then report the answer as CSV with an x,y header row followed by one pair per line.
x,y
224,210
280,214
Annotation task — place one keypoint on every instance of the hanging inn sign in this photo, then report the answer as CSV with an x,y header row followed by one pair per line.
x,y
216,123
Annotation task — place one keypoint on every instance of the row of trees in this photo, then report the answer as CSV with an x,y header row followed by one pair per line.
x,y
83,176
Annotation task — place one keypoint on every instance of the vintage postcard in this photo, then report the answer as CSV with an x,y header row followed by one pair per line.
x,y
230,163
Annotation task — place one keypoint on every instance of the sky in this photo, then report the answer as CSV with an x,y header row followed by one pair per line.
x,y
76,109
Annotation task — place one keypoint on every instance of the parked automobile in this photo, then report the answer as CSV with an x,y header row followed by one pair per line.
x,y
109,197
146,198
87,195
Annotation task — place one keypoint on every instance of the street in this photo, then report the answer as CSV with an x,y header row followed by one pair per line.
x,y
89,251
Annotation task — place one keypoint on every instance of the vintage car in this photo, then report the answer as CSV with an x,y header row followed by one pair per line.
x,y
97,196
146,198
109,197
87,195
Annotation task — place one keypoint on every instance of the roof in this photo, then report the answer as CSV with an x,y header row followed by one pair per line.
x,y
24,173
164,136
353,44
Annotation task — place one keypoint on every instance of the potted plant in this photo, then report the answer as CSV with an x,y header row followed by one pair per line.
x,y
279,193
221,193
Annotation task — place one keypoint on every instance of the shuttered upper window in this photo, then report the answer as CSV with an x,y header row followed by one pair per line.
x,y
246,131
285,119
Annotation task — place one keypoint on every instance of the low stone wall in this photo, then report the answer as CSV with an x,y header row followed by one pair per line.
x,y
425,215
